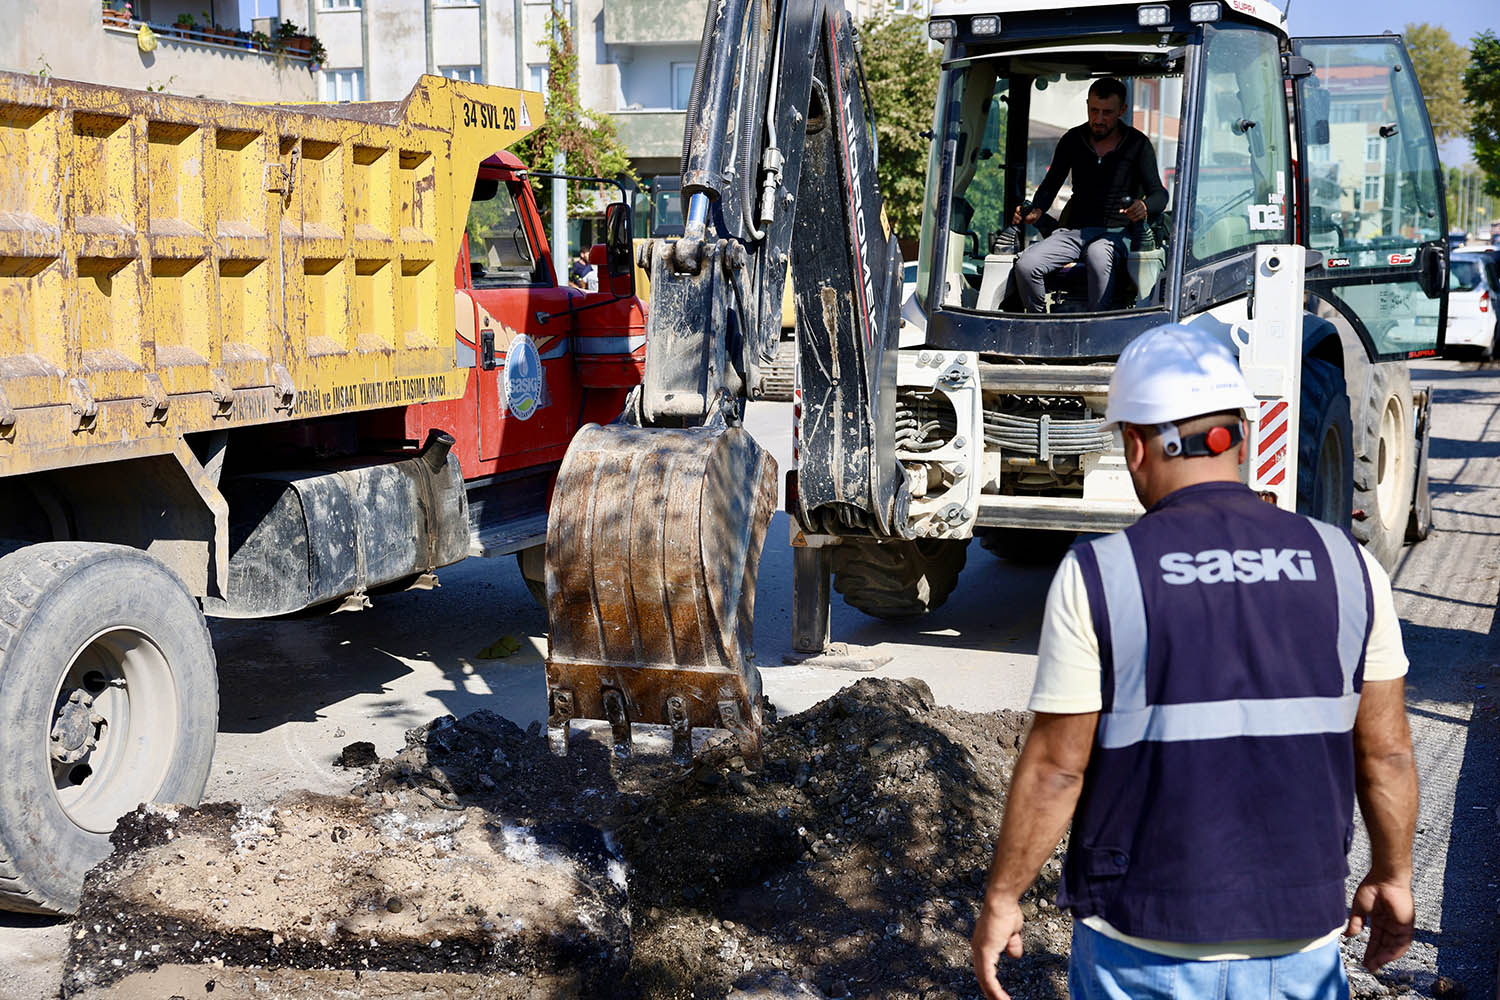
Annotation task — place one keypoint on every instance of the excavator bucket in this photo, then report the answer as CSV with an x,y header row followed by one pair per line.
x,y
653,543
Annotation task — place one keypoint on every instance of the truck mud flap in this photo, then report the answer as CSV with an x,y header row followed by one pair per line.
x,y
653,544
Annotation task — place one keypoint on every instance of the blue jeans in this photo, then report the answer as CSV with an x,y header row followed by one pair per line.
x,y
1101,968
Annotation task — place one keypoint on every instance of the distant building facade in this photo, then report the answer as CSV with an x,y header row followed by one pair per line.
x,y
81,40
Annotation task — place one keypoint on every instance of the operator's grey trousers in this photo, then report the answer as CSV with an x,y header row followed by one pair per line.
x,y
1100,250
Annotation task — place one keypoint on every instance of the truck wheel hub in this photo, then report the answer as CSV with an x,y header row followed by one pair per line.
x,y
75,730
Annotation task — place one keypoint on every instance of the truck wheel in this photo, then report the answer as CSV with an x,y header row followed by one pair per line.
x,y
778,375
1383,462
1027,546
1419,525
895,580
108,698
1325,453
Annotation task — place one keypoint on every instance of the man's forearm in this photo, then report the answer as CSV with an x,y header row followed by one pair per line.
x,y
1387,788
1041,803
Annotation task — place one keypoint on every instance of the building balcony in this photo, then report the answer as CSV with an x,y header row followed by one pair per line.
x,y
104,48
654,133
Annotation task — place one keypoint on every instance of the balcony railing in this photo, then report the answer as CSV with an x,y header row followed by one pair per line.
x,y
297,48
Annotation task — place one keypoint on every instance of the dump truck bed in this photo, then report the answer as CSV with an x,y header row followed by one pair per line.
x,y
172,265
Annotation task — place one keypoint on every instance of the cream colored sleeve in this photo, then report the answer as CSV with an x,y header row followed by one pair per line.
x,y
1068,673
1385,658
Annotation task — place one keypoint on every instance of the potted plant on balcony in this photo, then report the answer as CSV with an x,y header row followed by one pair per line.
x,y
184,24
316,54
117,12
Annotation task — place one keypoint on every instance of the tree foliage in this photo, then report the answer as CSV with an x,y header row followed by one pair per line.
x,y
1439,62
1482,98
587,139
902,73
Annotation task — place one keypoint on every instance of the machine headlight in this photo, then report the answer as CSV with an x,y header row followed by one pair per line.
x,y
942,29
985,24
1152,15
1200,12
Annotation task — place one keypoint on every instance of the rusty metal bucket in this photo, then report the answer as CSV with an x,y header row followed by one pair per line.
x,y
653,544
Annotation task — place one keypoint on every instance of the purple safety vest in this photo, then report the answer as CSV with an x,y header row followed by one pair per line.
x,y
1219,799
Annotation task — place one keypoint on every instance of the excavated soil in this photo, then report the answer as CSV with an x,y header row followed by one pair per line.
x,y
850,864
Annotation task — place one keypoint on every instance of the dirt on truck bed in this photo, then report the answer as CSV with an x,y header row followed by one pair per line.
x,y
851,864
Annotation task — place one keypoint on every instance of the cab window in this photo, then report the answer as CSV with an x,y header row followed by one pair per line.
x,y
1242,178
500,252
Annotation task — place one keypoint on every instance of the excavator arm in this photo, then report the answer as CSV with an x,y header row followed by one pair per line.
x,y
657,521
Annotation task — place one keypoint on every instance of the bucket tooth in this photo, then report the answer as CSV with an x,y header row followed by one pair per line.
x,y
682,729
619,721
745,734
559,715
653,543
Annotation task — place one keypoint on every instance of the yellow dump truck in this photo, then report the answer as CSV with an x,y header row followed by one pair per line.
x,y
252,359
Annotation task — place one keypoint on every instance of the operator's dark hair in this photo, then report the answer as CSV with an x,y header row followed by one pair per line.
x,y
1106,87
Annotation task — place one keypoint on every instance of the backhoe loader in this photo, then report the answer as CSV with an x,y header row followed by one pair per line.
x,y
1304,225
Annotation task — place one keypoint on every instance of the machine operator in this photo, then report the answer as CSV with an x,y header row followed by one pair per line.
x,y
1115,183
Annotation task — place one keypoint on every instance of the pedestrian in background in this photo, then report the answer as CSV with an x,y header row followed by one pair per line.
x,y
1215,686
581,274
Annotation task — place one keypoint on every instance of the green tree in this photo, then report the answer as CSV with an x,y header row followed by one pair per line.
x,y
587,139
1439,62
902,73
1482,99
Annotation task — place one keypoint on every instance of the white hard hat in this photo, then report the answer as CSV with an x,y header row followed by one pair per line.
x,y
1173,372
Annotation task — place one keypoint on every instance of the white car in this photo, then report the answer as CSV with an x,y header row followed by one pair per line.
x,y
1472,319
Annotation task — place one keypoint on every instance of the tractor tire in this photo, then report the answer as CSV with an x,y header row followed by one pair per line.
x,y
1384,462
779,375
1325,445
109,697
898,580
1027,546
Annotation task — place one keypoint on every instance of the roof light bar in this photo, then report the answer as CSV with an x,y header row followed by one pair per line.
x,y
1200,12
942,29
1153,15
985,24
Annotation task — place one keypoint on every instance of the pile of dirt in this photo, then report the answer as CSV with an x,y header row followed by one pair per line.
x,y
852,861
850,864
318,882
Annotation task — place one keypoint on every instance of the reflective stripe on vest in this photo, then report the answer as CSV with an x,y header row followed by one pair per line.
x,y
1132,721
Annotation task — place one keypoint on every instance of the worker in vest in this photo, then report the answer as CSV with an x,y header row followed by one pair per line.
x,y
1215,686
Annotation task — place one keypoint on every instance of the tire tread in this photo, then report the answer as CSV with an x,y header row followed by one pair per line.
x,y
26,577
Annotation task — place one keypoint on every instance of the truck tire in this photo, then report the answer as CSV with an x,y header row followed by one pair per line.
x,y
108,698
1325,439
1027,546
1384,453
897,580
779,377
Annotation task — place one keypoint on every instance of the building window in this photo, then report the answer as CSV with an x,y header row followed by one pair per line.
x,y
469,73
1372,187
342,85
1374,149
536,77
682,84
339,4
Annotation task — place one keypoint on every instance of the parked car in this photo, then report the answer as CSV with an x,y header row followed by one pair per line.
x,y
1473,295
1457,239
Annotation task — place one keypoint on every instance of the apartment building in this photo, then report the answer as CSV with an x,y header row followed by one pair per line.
x,y
82,40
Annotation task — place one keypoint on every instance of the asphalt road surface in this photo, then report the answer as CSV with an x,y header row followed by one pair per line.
x,y
294,692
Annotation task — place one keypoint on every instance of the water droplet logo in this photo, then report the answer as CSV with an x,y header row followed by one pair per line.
x,y
523,378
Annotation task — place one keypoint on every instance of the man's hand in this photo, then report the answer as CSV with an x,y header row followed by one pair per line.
x,y
1031,216
998,929
1388,909
1136,210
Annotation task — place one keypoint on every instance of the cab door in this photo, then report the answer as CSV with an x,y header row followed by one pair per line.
x,y
1371,193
